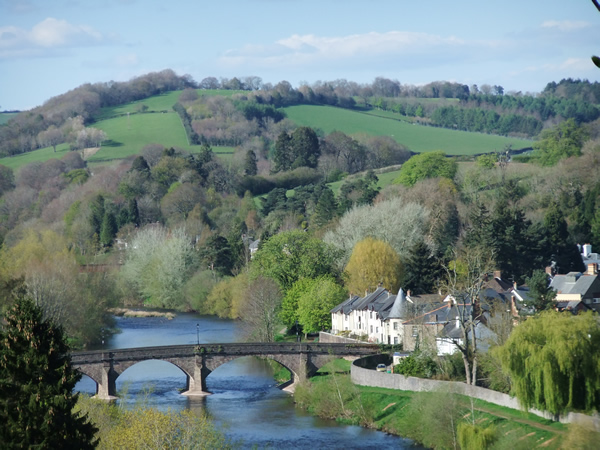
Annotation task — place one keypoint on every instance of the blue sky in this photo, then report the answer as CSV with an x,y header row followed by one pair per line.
x,y
48,47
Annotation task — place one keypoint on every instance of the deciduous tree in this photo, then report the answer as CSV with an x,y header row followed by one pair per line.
x,y
315,304
426,165
372,263
158,264
465,278
291,255
261,310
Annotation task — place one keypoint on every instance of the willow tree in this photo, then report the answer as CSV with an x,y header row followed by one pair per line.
x,y
374,262
554,362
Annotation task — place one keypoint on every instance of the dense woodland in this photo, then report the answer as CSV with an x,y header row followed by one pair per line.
x,y
170,229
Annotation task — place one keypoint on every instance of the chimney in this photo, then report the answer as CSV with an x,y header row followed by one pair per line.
x,y
515,285
497,274
592,269
587,250
549,270
408,293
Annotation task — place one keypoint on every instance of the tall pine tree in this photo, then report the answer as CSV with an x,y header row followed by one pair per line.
x,y
36,385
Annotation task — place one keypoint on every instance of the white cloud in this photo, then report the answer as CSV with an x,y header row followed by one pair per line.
x,y
311,49
565,25
574,66
127,60
49,34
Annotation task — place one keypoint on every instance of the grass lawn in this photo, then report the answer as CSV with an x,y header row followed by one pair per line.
x,y
416,137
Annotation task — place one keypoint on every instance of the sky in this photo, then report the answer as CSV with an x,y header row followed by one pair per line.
x,y
48,47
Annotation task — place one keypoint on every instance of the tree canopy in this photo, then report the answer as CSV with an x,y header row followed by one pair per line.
x,y
554,362
426,165
291,255
315,304
373,262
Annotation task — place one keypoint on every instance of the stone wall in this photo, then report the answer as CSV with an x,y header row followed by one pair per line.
x,y
363,373
328,338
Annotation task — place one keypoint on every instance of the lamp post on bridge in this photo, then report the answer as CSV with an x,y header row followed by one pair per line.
x,y
197,334
102,341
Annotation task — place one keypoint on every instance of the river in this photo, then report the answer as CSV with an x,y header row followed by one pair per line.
x,y
245,402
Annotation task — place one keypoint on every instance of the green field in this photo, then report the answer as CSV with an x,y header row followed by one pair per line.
x,y
43,154
5,117
417,138
126,136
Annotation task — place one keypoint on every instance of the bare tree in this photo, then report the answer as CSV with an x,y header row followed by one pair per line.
x,y
465,279
51,137
261,310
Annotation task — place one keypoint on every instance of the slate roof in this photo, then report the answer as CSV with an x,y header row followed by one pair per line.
x,y
573,283
388,305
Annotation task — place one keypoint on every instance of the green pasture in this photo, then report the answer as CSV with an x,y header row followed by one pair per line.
x,y
126,136
417,138
388,115
5,117
43,154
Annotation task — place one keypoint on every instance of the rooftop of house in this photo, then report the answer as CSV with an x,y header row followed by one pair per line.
x,y
573,283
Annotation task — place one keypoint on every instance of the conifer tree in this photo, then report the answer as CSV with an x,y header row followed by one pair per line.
x,y
36,385
108,230
423,269
250,167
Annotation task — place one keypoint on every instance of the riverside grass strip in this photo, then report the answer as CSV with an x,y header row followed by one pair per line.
x,y
410,414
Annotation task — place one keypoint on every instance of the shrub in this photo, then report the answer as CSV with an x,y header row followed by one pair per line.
x,y
474,437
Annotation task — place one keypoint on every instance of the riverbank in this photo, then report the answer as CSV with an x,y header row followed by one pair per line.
x,y
431,418
127,312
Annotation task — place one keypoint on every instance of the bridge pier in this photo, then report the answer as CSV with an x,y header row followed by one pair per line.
x,y
107,387
196,383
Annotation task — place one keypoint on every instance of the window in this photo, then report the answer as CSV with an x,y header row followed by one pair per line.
x,y
395,325
346,317
376,329
415,331
395,340
371,315
371,328
597,300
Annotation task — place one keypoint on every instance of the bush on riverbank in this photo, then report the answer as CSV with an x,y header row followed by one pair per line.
x,y
147,428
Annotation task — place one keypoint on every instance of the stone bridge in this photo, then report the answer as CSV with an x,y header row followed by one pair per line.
x,y
198,361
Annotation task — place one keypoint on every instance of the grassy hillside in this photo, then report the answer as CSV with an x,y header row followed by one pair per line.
x,y
127,136
43,154
417,138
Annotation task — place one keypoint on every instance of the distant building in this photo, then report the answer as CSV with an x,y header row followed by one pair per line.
x,y
578,291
